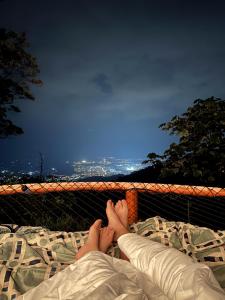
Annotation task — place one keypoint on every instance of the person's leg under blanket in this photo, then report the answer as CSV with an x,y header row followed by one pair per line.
x,y
172,271
91,277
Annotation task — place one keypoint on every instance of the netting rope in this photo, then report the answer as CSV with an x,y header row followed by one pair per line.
x,y
57,199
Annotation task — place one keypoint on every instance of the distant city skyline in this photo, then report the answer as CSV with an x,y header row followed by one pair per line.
x,y
110,164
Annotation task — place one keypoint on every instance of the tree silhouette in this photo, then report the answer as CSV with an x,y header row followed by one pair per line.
x,y
200,152
18,69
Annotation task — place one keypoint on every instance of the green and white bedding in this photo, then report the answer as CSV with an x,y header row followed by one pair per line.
x,y
29,255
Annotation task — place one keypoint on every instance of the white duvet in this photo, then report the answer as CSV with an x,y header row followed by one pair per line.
x,y
154,272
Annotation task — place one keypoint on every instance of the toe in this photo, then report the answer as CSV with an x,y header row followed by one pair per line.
x,y
108,204
117,205
97,224
124,203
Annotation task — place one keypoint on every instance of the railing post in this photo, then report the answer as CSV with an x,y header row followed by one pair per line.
x,y
132,202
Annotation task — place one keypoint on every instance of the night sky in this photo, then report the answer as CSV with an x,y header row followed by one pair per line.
x,y
112,72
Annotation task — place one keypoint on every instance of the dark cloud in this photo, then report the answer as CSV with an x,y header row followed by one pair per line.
x,y
102,81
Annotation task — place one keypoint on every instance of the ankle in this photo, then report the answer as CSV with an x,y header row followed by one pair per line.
x,y
123,230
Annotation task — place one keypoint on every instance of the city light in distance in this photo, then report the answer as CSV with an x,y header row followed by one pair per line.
x,y
130,169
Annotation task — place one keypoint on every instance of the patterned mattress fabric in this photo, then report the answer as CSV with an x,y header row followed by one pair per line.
x,y
29,255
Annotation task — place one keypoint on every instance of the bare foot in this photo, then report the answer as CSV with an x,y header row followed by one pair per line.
x,y
121,210
93,240
106,238
114,220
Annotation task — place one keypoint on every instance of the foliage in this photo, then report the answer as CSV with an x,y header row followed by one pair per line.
x,y
63,222
55,211
18,69
200,152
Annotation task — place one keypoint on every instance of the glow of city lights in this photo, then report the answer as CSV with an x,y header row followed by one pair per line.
x,y
130,168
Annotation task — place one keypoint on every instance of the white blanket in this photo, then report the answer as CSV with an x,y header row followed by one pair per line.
x,y
154,272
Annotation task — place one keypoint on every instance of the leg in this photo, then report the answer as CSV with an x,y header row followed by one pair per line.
x,y
92,276
172,271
